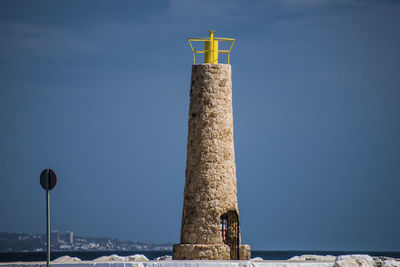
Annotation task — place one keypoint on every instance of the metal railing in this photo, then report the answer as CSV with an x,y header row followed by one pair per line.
x,y
211,50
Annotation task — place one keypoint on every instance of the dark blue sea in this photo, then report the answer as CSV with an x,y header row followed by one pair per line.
x,y
265,254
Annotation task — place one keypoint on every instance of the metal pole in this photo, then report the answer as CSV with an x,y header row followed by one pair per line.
x,y
48,219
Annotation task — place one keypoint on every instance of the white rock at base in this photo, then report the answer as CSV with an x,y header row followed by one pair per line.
x,y
164,258
391,263
257,259
355,261
67,259
137,257
313,258
113,257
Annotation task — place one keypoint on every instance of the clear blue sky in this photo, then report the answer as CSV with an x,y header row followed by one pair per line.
x,y
99,92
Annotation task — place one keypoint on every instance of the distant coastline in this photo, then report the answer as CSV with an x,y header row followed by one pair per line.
x,y
32,247
32,242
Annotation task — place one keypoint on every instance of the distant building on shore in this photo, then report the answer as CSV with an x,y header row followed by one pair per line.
x,y
54,236
70,235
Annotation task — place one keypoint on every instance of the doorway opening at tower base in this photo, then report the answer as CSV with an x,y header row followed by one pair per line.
x,y
230,232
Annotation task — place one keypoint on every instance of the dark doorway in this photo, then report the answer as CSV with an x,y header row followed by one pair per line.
x,y
230,232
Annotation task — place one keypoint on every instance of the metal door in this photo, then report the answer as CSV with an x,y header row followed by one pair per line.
x,y
230,232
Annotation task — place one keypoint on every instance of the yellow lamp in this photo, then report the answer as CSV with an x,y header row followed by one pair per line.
x,y
211,50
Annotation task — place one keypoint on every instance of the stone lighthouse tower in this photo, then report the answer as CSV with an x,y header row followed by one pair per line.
x,y
210,220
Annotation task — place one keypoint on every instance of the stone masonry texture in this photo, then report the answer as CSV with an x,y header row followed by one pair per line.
x,y
210,185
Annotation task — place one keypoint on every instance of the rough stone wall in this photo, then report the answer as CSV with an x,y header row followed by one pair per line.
x,y
210,186
201,252
244,252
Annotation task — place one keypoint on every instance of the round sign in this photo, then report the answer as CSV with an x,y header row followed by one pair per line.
x,y
48,179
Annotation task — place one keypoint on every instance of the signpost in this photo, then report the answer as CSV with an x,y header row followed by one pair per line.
x,y
48,181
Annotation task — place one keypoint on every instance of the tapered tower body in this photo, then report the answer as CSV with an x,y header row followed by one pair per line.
x,y
210,219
